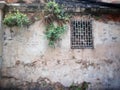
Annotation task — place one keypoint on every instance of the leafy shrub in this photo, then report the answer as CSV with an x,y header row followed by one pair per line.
x,y
54,33
16,19
55,12
83,86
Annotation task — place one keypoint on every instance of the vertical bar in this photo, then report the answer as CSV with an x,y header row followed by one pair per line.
x,y
75,33
85,34
91,34
82,34
79,35
71,33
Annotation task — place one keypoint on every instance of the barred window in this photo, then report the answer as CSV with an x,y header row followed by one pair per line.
x,y
81,34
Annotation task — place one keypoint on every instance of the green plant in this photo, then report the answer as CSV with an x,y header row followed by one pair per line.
x,y
53,12
54,33
16,19
83,86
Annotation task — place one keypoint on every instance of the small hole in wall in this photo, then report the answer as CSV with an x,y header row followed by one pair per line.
x,y
17,62
58,61
73,57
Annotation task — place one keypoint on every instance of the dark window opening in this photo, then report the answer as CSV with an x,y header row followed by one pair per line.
x,y
81,34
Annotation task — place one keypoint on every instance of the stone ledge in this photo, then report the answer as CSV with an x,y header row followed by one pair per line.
x,y
39,7
26,7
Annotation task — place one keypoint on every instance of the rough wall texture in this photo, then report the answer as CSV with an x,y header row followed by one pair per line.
x,y
0,41
0,33
27,57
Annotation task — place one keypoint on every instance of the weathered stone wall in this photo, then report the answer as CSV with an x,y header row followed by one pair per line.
x,y
27,57
1,32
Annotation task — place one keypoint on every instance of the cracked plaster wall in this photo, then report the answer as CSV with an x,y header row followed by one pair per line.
x,y
27,57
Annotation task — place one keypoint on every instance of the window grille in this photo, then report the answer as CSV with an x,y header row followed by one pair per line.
x,y
81,34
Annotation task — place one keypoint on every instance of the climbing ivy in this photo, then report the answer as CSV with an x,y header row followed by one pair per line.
x,y
54,33
54,13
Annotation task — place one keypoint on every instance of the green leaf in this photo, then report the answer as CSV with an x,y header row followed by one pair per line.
x,y
16,19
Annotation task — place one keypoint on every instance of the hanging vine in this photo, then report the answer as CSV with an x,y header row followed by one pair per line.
x,y
54,13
